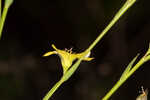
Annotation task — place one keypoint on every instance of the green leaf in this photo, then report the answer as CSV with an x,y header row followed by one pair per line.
x,y
128,68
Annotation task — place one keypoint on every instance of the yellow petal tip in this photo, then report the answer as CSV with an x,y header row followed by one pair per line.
x,y
89,59
49,53
54,47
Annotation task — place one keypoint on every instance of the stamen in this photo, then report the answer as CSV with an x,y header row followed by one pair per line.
x,y
66,49
70,50
142,89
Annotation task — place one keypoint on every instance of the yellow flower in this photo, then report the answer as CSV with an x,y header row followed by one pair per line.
x,y
67,57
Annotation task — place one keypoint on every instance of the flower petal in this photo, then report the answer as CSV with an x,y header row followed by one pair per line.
x,y
88,59
67,57
49,53
54,47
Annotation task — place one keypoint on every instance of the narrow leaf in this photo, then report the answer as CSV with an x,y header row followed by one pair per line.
x,y
128,67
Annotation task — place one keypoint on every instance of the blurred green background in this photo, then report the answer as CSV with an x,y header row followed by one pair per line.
x,y
33,25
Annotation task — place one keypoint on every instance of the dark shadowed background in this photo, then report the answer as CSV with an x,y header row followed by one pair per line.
x,y
33,25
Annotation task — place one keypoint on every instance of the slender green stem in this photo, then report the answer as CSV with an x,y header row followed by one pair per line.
x,y
4,13
127,73
2,21
69,73
120,82
116,86
141,62
124,8
0,8
55,87
64,78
